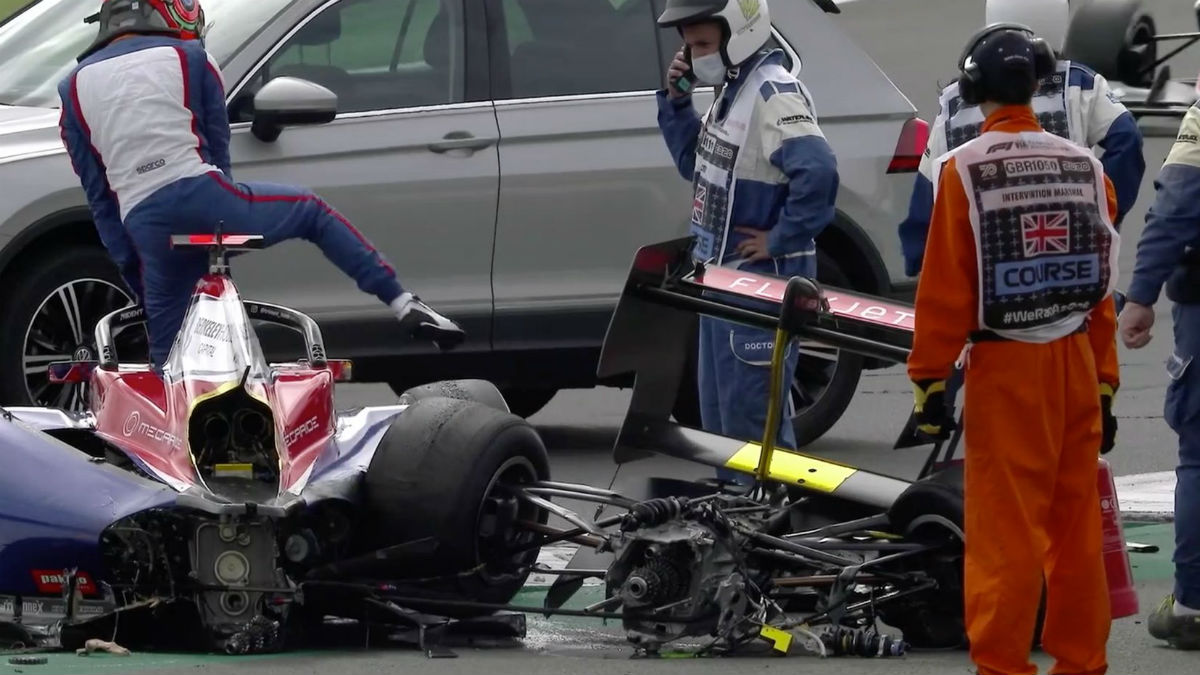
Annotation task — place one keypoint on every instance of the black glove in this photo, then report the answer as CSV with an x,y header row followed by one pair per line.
x,y
420,321
1109,421
930,410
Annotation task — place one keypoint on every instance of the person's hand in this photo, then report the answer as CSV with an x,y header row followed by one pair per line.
x,y
675,71
1108,437
754,246
929,409
1134,324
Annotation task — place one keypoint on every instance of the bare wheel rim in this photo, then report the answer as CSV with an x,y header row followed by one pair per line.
x,y
63,328
496,530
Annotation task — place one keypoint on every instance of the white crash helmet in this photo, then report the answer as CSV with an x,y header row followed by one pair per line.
x,y
1048,18
747,23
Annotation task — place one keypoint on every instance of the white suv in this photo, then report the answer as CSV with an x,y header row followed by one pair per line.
x,y
503,154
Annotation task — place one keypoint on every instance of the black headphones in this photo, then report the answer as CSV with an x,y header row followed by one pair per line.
x,y
971,78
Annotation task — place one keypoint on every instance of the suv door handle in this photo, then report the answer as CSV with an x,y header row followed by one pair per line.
x,y
460,140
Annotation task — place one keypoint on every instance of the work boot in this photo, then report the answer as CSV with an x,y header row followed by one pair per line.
x,y
420,321
1181,632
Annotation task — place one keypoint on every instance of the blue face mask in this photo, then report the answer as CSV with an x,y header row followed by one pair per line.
x,y
710,69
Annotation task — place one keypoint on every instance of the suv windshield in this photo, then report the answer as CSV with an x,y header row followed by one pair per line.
x,y
39,46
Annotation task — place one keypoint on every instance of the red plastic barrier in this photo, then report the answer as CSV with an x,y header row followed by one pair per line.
x,y
1121,592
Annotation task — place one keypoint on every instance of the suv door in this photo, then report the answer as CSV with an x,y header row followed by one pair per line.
x,y
411,160
586,176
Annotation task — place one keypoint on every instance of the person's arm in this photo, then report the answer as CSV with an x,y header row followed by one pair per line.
x,y
914,230
106,212
1110,125
1102,322
1173,221
216,115
947,292
798,148
680,126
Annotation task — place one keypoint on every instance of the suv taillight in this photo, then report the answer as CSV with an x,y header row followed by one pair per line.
x,y
910,147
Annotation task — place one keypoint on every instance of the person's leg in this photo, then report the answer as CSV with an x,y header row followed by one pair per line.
x,y
1078,615
282,212
1010,461
745,399
169,276
1177,619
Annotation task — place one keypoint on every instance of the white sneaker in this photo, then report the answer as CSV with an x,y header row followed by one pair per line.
x,y
420,321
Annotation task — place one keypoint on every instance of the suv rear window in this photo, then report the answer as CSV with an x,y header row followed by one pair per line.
x,y
374,54
578,47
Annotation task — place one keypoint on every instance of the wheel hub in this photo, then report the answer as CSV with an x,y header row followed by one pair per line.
x,y
61,329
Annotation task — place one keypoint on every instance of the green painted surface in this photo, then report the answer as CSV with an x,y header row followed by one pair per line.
x,y
1155,566
98,664
9,6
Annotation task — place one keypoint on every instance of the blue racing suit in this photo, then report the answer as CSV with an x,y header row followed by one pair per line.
x,y
757,160
145,123
1167,247
1074,102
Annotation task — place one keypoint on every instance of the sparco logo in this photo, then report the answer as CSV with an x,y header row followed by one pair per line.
x,y
151,166
301,431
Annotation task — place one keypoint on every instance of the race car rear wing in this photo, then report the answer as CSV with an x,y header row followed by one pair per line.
x,y
652,326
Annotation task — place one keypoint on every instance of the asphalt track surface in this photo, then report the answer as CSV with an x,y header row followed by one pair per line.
x,y
579,426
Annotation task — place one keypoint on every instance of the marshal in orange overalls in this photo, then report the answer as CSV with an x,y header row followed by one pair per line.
x,y
1032,410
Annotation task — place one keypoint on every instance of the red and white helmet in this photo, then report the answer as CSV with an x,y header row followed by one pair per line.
x,y
183,19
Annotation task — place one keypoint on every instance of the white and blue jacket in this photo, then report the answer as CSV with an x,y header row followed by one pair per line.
x,y
129,136
757,160
1074,102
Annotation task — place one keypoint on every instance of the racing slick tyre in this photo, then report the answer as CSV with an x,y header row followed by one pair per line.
x,y
438,475
931,510
49,314
479,391
1113,38
825,380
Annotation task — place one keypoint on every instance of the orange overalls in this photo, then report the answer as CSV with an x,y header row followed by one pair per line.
x,y
1032,408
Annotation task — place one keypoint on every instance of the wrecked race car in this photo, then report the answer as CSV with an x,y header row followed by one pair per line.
x,y
811,558
816,557
228,492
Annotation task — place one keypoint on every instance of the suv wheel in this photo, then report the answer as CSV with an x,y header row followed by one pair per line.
x,y
51,315
825,380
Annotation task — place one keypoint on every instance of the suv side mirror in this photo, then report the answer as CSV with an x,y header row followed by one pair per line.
x,y
290,101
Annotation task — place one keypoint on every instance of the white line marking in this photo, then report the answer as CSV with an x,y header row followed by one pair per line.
x,y
1147,495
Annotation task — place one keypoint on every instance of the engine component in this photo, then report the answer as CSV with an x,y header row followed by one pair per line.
x,y
865,642
234,570
677,574
654,512
257,636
